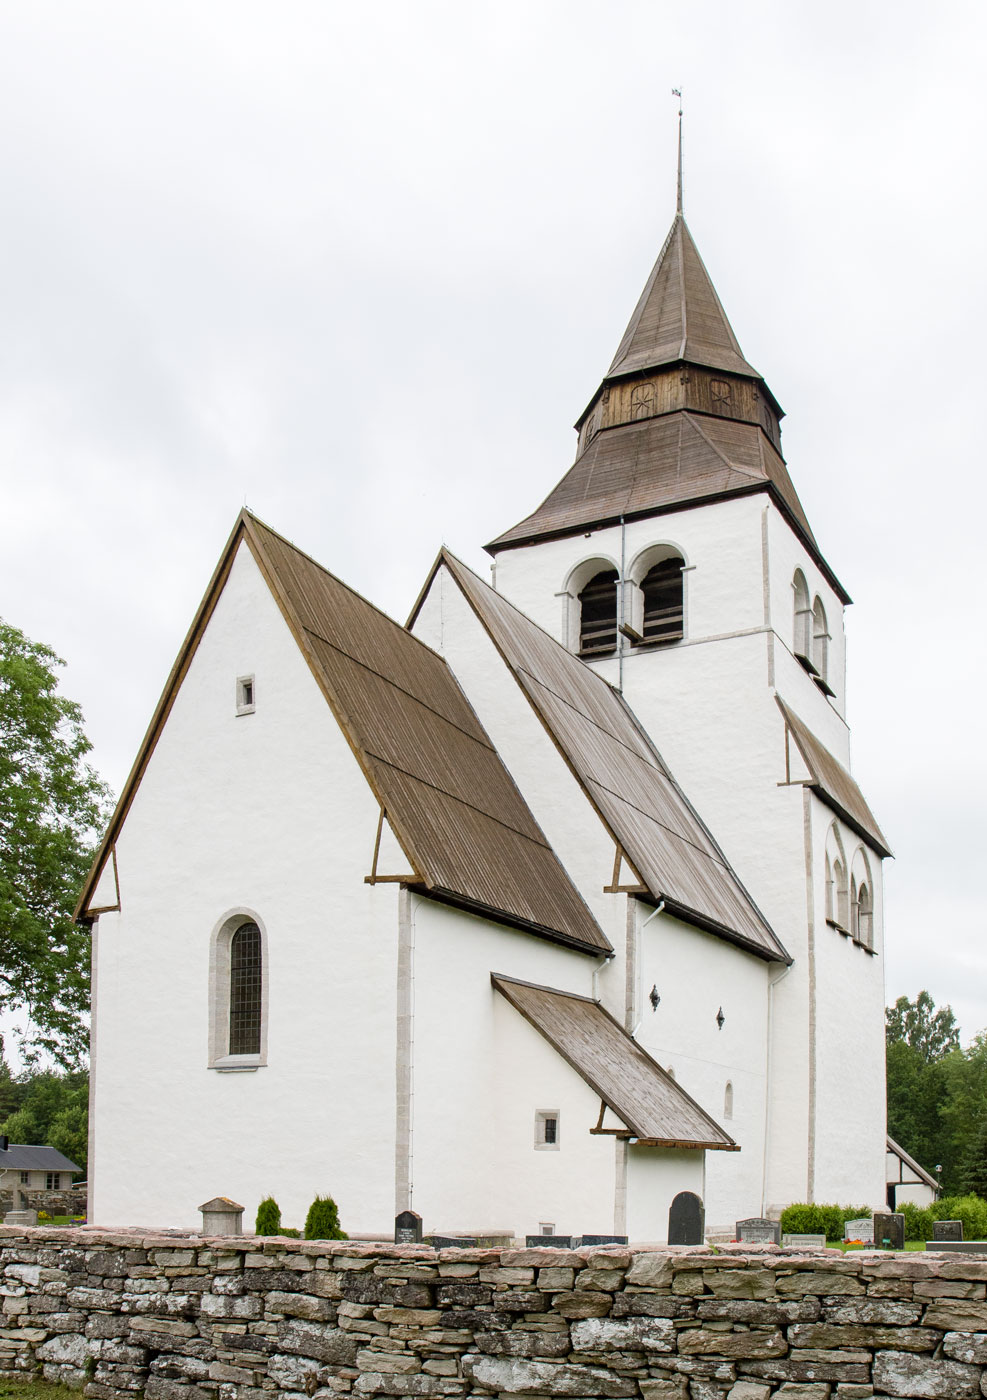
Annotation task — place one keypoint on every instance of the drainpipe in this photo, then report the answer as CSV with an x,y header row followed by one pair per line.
x,y
653,915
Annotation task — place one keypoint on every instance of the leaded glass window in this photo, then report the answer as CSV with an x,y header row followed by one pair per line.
x,y
246,975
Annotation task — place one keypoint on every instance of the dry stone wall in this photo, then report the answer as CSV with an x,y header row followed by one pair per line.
x,y
172,1317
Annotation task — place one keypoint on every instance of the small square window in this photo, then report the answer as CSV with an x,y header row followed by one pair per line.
x,y
546,1227
547,1130
246,692
25,1178
51,1181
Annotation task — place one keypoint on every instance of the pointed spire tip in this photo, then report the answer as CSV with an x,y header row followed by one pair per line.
x,y
677,92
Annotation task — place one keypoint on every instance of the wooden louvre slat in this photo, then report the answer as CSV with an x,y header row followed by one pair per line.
x,y
622,773
655,1109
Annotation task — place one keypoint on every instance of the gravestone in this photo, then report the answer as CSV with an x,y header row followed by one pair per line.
x,y
889,1231
757,1230
21,1217
947,1230
408,1228
548,1241
804,1241
453,1242
588,1240
958,1246
861,1229
686,1219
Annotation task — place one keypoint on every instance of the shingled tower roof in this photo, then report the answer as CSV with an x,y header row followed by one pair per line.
x,y
680,418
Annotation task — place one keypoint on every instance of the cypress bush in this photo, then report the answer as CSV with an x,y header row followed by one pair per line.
x,y
322,1221
268,1217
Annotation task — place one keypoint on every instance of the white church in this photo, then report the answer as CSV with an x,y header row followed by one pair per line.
x,y
539,910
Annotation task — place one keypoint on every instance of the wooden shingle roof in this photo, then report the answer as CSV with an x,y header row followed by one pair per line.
x,y
622,774
834,784
679,316
659,465
656,1110
453,806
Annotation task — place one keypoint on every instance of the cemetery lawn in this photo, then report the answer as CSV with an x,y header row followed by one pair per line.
x,y
11,1389
909,1244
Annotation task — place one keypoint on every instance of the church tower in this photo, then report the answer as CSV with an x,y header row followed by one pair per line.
x,y
675,557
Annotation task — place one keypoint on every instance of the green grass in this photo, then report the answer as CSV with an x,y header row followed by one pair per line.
x,y
11,1389
840,1244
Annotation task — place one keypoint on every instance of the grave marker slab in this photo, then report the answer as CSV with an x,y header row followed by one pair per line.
x,y
548,1242
805,1241
758,1230
947,1230
453,1242
889,1231
686,1219
861,1229
587,1240
408,1228
958,1246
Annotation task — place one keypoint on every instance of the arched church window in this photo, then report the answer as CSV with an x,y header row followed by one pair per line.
x,y
728,1100
820,639
830,892
663,609
842,915
803,618
598,614
865,916
246,985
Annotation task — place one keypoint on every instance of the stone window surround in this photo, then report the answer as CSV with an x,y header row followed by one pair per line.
x,y
542,1115
219,1057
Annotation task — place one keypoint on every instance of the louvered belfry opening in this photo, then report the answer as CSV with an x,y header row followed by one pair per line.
x,y
663,610
246,974
598,614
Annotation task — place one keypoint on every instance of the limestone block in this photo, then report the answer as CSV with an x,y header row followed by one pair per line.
x,y
399,1363
749,1390
161,1388
650,1271
664,1390
818,1281
630,1334
67,1349
886,1311
524,1343
576,1305
409,1317
321,1343
799,1390
300,1305
966,1346
552,1280
821,1336
739,1283
737,1345
901,1373
603,1280
383,1383
522,1377
960,1316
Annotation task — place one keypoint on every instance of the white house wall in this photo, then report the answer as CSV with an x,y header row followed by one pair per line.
x,y
266,813
654,1178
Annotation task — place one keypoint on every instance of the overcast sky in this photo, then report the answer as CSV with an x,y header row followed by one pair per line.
x,y
361,266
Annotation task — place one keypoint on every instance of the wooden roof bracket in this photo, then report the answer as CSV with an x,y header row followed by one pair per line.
x,y
373,878
608,1132
614,888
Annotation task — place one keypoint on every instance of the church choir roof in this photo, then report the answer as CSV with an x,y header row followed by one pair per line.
x,y
834,785
655,1109
450,801
622,774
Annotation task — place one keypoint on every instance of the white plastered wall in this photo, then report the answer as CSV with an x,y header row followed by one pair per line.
x,y
481,1073
269,813
654,1177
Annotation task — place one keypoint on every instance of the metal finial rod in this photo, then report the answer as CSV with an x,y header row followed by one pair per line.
x,y
677,92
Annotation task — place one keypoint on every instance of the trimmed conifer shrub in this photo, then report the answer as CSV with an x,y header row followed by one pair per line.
x,y
268,1217
322,1221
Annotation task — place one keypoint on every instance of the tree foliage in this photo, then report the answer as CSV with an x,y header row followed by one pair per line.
x,y
268,1220
937,1091
322,1221
52,803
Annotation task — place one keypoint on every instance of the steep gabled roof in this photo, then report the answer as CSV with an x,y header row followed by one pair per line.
x,y
622,774
899,1152
679,316
451,803
834,784
629,1082
658,465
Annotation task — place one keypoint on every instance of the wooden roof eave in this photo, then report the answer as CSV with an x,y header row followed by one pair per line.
x,y
498,981
455,900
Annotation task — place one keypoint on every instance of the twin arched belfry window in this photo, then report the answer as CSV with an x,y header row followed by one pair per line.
x,y
811,633
654,607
